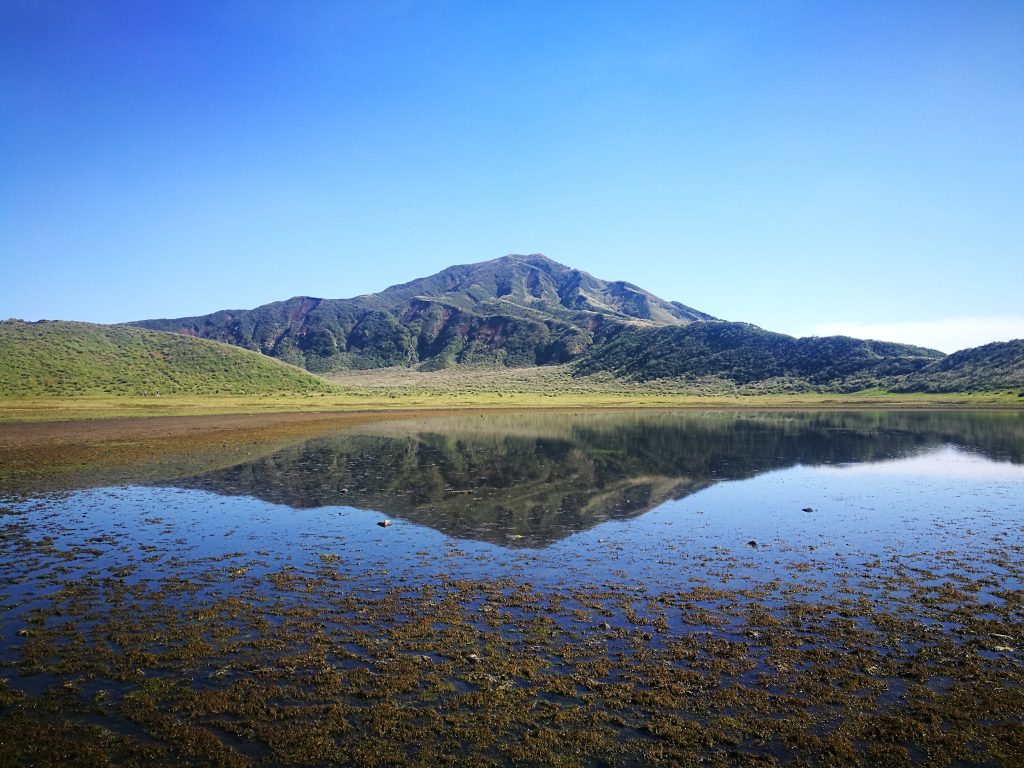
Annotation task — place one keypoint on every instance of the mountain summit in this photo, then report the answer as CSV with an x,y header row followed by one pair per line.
x,y
515,310
536,283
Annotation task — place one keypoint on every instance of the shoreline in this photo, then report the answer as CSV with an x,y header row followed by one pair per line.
x,y
275,411
213,427
206,427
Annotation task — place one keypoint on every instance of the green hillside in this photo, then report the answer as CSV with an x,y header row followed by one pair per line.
x,y
517,311
742,353
67,359
999,365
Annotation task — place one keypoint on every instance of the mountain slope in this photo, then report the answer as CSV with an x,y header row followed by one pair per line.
x,y
516,310
530,311
65,358
993,366
744,353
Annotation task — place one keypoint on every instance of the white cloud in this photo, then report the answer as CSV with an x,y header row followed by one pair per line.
x,y
946,334
946,462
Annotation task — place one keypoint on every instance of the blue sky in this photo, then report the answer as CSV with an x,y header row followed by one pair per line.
x,y
810,167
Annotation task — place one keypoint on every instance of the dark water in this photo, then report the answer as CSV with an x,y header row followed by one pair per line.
x,y
739,513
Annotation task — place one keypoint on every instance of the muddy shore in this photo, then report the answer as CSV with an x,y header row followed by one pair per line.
x,y
69,453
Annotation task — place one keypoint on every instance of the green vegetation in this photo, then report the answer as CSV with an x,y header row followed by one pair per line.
x,y
513,311
63,370
744,354
400,389
993,367
557,386
65,359
529,311
50,408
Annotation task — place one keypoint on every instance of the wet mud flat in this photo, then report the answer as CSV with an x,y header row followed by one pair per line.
x,y
62,454
131,638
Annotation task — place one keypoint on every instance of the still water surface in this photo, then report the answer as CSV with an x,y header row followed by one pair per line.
x,y
780,533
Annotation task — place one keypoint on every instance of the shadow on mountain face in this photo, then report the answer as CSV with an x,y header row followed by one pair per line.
x,y
532,479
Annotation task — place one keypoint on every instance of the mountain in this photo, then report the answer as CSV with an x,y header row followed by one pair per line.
x,y
515,311
56,358
530,310
994,366
743,353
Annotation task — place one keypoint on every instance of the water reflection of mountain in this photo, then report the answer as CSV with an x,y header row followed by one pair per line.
x,y
530,479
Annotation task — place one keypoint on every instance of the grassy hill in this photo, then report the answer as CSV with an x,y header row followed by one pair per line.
x,y
742,354
995,366
63,359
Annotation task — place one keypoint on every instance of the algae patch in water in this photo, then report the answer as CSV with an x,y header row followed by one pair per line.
x,y
243,659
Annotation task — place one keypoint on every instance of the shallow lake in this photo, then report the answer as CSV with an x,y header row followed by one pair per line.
x,y
581,589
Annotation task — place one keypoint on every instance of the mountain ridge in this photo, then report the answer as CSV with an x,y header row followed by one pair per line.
x,y
997,365
513,310
528,310
743,353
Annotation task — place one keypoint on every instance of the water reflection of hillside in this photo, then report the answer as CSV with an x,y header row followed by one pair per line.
x,y
530,479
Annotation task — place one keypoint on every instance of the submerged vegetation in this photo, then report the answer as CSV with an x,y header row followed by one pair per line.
x,y
174,670
254,614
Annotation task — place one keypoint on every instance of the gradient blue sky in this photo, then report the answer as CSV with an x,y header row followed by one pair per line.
x,y
810,167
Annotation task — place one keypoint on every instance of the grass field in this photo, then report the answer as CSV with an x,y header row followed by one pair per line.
x,y
53,360
108,407
550,383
